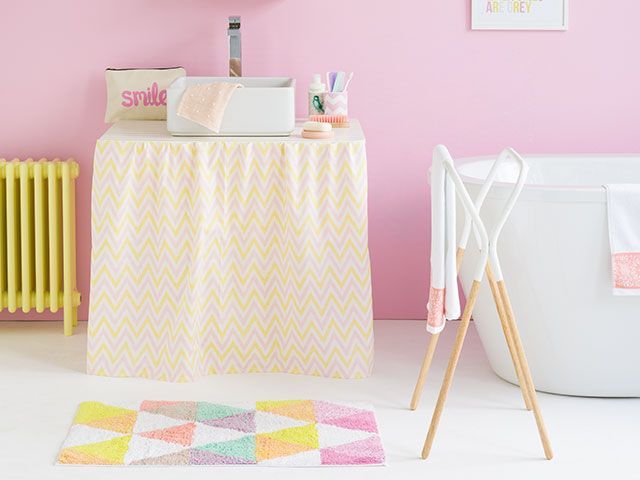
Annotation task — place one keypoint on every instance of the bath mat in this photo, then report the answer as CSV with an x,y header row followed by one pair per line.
x,y
284,433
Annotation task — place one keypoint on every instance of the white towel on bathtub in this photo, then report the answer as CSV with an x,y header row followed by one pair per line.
x,y
623,211
444,298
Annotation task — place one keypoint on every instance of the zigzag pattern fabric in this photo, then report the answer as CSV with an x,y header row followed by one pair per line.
x,y
229,257
336,103
283,433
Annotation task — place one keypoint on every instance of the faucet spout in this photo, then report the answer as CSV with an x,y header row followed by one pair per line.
x,y
235,49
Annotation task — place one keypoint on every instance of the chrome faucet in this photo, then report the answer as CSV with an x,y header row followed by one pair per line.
x,y
235,50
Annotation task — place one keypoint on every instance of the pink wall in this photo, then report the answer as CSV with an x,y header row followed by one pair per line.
x,y
422,77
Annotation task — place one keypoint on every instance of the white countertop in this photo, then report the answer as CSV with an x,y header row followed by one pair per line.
x,y
138,130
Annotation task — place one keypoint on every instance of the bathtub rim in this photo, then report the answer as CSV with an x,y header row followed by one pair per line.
x,y
544,193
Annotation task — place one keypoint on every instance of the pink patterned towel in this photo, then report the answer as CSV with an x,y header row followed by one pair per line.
x,y
206,103
623,210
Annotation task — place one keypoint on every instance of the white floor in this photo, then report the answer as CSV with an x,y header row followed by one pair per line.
x,y
484,433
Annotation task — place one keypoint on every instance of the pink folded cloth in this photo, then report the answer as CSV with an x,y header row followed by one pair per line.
x,y
206,103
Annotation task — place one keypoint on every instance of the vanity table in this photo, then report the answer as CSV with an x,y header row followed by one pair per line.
x,y
228,255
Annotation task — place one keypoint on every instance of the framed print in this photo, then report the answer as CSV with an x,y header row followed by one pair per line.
x,y
519,14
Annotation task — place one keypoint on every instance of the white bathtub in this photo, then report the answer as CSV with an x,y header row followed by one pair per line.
x,y
554,251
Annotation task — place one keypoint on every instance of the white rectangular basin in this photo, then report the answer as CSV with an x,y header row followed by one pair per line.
x,y
264,107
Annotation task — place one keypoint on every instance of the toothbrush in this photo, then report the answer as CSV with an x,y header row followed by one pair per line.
x,y
346,85
331,80
338,85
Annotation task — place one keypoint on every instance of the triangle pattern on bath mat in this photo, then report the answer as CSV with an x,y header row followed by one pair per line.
x,y
69,456
111,451
121,424
179,458
141,448
204,457
270,422
243,448
362,452
308,458
81,434
297,409
277,433
147,422
359,421
268,448
327,410
180,410
153,405
306,435
205,434
332,436
94,411
213,411
243,422
180,434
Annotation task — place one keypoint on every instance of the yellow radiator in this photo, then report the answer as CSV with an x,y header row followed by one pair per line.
x,y
38,237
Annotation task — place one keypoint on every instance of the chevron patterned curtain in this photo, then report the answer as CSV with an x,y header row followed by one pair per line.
x,y
229,256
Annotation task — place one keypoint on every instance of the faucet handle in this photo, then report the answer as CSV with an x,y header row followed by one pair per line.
x,y
235,50
234,23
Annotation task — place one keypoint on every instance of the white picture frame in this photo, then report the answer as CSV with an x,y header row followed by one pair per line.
x,y
519,14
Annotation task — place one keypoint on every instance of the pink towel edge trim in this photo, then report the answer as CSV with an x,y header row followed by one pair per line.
x,y
626,270
435,310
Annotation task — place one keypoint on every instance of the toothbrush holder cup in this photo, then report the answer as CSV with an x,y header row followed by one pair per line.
x,y
336,103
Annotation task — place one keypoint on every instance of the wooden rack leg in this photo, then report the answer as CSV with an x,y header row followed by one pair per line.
x,y
424,370
451,367
431,348
508,335
544,438
459,257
